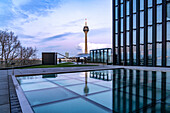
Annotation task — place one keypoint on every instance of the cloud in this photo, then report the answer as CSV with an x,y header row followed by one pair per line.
x,y
57,36
20,2
25,36
39,7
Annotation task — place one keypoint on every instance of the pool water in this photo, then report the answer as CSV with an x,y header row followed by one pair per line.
x,y
104,91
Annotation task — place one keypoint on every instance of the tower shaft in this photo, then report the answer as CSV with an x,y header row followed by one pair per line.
x,y
86,49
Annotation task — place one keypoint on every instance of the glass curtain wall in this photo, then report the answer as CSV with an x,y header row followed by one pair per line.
x,y
168,34
101,55
141,32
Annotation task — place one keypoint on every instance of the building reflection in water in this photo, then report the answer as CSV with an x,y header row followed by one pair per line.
x,y
136,91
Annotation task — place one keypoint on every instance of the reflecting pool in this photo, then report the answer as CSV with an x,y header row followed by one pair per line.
x,y
104,91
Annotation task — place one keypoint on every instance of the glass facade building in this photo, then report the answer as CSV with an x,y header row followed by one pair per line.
x,y
101,55
141,32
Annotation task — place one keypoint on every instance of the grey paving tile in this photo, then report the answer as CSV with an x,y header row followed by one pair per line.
x,y
3,86
4,108
4,99
3,92
4,83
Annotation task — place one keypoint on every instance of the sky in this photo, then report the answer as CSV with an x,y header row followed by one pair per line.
x,y
57,25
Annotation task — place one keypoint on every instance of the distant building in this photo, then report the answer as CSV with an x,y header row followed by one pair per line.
x,y
141,32
67,54
103,55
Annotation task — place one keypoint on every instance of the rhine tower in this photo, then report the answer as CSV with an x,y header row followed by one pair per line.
x,y
86,29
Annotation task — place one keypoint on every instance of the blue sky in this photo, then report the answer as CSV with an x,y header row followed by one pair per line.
x,y
57,25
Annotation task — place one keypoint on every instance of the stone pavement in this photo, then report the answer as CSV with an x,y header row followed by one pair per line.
x,y
4,85
4,93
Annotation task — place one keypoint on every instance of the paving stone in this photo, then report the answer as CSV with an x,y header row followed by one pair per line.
x,y
4,99
3,77
2,86
3,92
5,108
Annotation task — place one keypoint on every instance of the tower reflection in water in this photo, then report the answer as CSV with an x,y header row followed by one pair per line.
x,y
86,89
137,91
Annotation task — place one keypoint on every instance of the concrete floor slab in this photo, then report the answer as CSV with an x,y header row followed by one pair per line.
x,y
4,99
3,86
3,92
5,108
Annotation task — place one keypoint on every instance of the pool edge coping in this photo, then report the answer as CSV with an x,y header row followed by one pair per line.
x,y
25,106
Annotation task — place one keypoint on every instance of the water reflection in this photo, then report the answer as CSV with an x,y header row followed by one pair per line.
x,y
134,90
49,76
120,90
101,75
86,89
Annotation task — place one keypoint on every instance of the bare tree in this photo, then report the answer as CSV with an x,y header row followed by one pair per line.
x,y
11,49
3,34
26,53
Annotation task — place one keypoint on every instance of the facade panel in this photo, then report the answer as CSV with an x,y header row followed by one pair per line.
x,y
141,32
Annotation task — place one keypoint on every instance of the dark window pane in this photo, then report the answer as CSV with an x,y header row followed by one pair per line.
x,y
141,36
91,56
149,3
142,19
116,12
101,55
116,26
127,51
98,55
116,55
116,2
121,1
141,4
134,6
127,23
150,34
134,21
121,55
134,55
127,8
121,25
141,54
159,1
121,10
116,40
105,56
149,54
149,16
94,56
159,13
121,39
134,36
168,31
159,32
159,55
168,53
127,38
168,11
